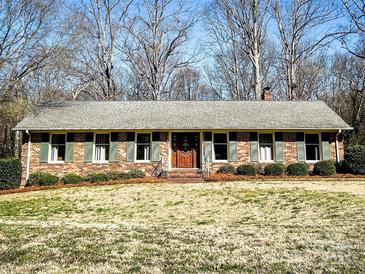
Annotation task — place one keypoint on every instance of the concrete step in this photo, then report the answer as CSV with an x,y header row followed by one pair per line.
x,y
184,175
185,180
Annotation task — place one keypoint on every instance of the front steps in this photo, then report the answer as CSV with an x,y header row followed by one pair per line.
x,y
186,175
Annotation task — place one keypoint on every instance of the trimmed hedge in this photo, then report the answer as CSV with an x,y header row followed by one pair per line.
x,y
135,173
97,177
324,168
354,161
117,175
297,169
72,178
10,173
249,170
275,169
226,169
42,179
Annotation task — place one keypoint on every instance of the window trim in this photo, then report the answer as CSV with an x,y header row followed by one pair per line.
x,y
319,145
136,144
94,148
213,150
50,148
273,148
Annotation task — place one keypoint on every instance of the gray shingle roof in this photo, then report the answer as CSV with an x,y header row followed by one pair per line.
x,y
184,115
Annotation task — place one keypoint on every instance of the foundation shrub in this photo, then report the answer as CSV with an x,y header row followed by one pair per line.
x,y
117,175
42,179
275,169
97,177
72,178
135,173
249,170
226,169
297,169
324,168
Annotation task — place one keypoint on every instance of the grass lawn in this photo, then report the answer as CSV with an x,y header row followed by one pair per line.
x,y
209,227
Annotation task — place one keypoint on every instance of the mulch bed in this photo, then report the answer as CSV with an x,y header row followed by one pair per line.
x,y
216,177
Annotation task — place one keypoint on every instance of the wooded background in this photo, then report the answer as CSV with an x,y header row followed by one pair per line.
x,y
53,50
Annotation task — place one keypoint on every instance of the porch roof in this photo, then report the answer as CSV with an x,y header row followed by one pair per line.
x,y
181,115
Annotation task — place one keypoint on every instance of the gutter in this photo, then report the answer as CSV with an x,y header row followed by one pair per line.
x,y
337,147
27,168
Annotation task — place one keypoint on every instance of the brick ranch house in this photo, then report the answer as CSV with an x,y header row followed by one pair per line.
x,y
84,137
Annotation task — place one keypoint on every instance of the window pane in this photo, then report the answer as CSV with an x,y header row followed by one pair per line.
x,y
101,152
311,139
266,152
143,138
102,139
266,138
53,153
143,152
220,152
312,152
61,153
58,139
220,138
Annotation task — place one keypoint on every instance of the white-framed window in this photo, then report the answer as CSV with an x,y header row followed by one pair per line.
x,y
101,151
312,149
266,147
143,147
220,146
58,147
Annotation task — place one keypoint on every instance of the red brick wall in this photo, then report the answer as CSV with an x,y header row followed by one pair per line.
x,y
79,166
82,168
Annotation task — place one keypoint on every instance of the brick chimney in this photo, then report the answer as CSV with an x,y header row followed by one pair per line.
x,y
266,94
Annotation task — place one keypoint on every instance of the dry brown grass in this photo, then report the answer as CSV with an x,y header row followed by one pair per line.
x,y
210,227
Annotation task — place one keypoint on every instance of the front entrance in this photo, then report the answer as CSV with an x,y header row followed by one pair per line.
x,y
185,150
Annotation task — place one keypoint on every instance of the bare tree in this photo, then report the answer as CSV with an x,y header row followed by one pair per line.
x,y
244,24
355,10
24,30
98,28
187,85
156,44
298,22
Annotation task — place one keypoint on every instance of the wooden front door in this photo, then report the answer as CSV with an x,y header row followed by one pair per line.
x,y
185,150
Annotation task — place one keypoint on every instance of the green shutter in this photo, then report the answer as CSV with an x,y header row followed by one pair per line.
x,y
130,151
155,149
207,151
88,147
300,147
114,144
207,147
279,147
326,152
254,147
44,147
232,146
233,151
70,138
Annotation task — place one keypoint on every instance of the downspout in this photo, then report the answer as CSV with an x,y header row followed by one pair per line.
x,y
27,168
337,147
